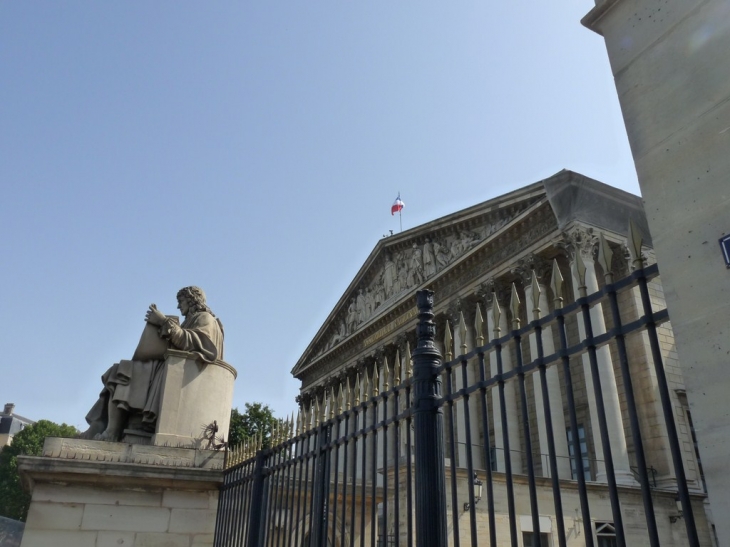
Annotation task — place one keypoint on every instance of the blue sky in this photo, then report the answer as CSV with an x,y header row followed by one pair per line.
x,y
254,149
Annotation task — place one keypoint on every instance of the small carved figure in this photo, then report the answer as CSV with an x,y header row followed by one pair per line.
x,y
429,260
360,306
468,240
351,317
339,336
379,298
456,249
369,303
132,389
390,275
415,273
402,284
442,255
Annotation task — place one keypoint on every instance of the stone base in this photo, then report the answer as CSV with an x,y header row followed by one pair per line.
x,y
136,436
95,493
193,397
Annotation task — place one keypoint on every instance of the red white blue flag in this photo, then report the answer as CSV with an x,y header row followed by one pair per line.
x,y
397,206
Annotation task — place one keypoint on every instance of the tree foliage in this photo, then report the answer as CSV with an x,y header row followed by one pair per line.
x,y
14,501
257,418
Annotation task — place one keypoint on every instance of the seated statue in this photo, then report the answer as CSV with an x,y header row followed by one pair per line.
x,y
132,389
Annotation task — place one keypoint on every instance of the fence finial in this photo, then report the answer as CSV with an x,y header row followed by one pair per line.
x,y
357,389
332,401
376,380
556,284
536,292
409,361
462,332
496,315
478,325
634,242
396,369
365,382
580,273
349,393
316,411
605,255
386,374
448,339
514,306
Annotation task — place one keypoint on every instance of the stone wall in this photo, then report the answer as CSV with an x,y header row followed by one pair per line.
x,y
82,498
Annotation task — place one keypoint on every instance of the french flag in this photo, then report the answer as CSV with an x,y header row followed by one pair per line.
x,y
397,206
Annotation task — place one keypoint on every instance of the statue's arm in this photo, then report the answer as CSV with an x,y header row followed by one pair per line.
x,y
204,336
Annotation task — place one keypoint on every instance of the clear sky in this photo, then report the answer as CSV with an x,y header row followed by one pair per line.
x,y
254,149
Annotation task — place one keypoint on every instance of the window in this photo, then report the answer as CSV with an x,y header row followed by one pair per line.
x,y
528,537
586,466
605,534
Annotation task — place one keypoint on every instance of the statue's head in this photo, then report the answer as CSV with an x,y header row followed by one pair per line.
x,y
195,297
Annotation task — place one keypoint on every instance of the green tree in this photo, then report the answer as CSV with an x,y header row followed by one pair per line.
x,y
257,418
14,501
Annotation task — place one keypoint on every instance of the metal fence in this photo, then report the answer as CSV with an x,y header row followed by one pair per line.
x,y
406,455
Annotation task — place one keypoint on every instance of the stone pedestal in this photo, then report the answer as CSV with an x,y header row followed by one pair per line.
x,y
96,493
194,395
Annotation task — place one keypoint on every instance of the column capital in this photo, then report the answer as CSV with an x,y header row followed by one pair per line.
x,y
485,289
495,287
579,239
533,262
454,310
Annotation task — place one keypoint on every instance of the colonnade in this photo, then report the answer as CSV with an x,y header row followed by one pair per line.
x,y
465,327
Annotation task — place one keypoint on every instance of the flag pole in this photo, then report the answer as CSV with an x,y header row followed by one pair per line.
x,y
400,214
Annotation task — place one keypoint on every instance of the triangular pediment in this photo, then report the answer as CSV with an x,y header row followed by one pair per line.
x,y
401,264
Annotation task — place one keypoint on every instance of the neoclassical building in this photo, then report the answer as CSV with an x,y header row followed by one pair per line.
x,y
489,254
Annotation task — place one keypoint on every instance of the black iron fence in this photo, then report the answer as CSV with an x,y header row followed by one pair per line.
x,y
408,456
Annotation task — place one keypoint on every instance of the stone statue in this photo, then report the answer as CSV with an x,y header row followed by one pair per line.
x,y
369,303
131,394
351,317
402,283
360,307
379,297
429,259
442,255
415,274
456,249
339,336
390,276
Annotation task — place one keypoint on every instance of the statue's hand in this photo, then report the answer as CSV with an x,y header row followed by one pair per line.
x,y
155,316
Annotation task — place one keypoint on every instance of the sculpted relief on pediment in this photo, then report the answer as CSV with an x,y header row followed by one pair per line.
x,y
402,271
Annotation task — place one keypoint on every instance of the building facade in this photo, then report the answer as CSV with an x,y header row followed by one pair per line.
x,y
491,266
11,424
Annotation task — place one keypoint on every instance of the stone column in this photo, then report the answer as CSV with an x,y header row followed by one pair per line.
x,y
513,426
583,242
455,315
670,74
464,342
552,379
